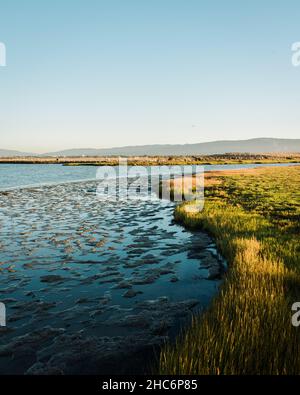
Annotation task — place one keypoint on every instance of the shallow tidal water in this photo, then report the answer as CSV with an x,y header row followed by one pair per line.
x,y
93,285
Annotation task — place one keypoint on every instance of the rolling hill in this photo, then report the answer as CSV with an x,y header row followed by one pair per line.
x,y
259,145
253,146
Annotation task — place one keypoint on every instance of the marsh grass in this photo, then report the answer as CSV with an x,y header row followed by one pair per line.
x,y
225,159
254,218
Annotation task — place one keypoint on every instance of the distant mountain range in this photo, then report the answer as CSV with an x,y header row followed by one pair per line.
x,y
9,153
257,145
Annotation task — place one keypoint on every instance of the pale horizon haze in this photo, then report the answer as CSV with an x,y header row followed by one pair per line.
x,y
100,74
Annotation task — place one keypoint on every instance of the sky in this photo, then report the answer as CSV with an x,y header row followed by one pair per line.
x,y
105,73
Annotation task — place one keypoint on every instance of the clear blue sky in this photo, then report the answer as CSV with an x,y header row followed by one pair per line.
x,y
102,73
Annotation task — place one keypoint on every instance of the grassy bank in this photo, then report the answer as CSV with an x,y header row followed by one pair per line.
x,y
254,216
226,159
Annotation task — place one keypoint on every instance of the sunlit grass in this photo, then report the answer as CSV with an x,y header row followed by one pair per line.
x,y
254,218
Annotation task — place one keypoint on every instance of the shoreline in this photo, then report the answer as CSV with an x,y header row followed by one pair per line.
x,y
224,159
207,170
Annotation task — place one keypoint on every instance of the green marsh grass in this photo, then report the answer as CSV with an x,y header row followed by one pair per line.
x,y
254,217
